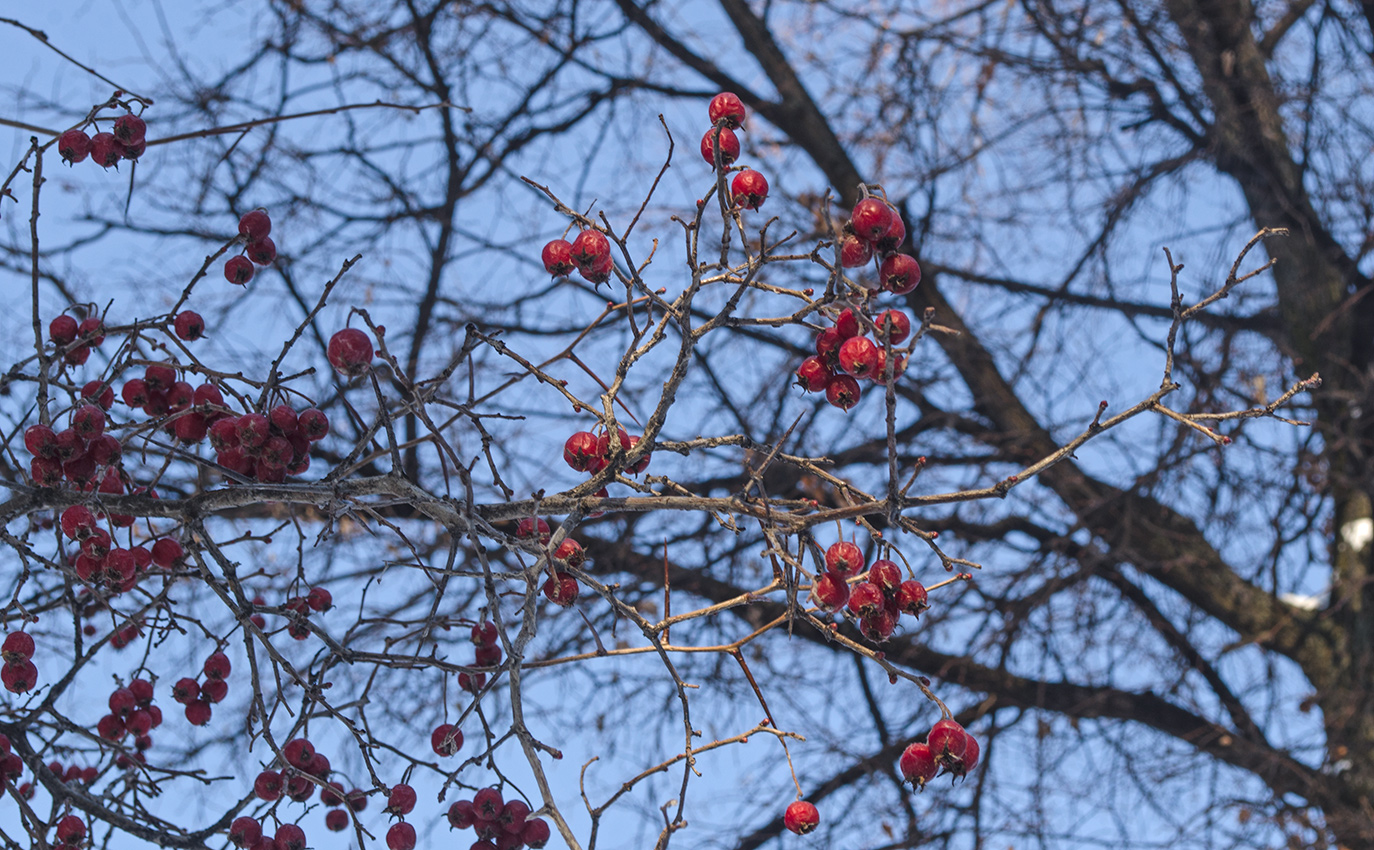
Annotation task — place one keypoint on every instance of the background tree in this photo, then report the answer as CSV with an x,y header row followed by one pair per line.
x,y
1165,640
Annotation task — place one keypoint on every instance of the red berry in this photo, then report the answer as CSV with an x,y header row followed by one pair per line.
x,y
899,273
581,451
238,270
130,129
189,326
401,800
99,393
71,830
947,739
74,145
887,576
918,764
214,690
557,257
245,831
168,553
749,189
18,647
830,592
893,323
801,817
356,799
570,552
268,786
487,804
62,330
528,526
111,728
255,225
484,634
536,833
313,424
729,147
970,758
92,329
911,598
186,690
859,357
401,836
854,252
105,150
133,150
319,599
261,251
446,739
726,108
842,392
847,324
561,589
461,815
41,441
589,248
217,665
844,558
122,701
871,218
299,753
290,837
19,677
599,271
198,713
865,599
350,352
336,820
891,240
879,627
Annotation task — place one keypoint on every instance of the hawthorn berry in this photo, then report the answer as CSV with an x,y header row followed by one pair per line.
x,y
561,589
122,701
299,753
74,145
726,108
879,627
62,330
111,728
918,764
892,238
214,690
728,147
71,830
268,786
132,150
198,712
530,526
129,129
947,739
217,665
487,804
105,150
590,247
290,837
18,646
844,558
350,352
446,739
189,325
557,257
536,833
970,758
319,599
801,817
570,552
99,393
859,356
911,598
847,324
865,600
899,273
842,392
870,218
336,820
261,251
19,677
238,270
313,424
893,324
401,800
92,329
749,189
245,832
581,451
401,836
168,553
886,575
461,815
854,252
830,592
255,225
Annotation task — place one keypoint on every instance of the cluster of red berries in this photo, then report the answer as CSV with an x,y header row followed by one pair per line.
x,y
100,563
126,140
197,697
587,452
247,833
339,803
589,253
72,773
318,599
350,352
131,713
65,331
877,601
19,674
500,825
75,453
801,817
561,587
268,446
844,355
12,767
488,654
303,761
70,833
947,745
260,249
726,112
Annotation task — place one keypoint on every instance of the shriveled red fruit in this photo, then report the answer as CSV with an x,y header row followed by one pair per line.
x,y
536,833
461,815
245,832
581,450
844,558
18,647
557,257
911,598
749,189
71,829
886,575
726,108
812,375
801,817
894,324
62,330
238,270
865,599
217,665
446,739
401,836
830,592
19,677
198,712
871,219
854,252
350,352
899,274
269,785
947,739
105,150
561,589
336,820
859,357
261,251
729,147
290,837
842,392
918,764
313,424
401,800
255,225
74,145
